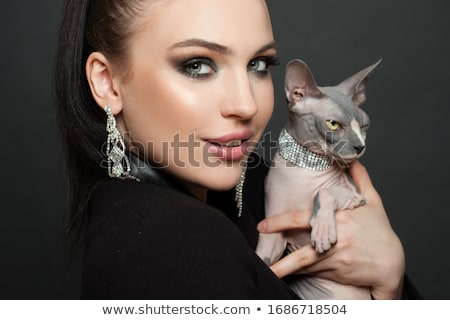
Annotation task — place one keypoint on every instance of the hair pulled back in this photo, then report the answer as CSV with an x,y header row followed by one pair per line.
x,y
87,26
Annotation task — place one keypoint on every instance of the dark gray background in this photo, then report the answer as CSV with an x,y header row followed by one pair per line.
x,y
408,143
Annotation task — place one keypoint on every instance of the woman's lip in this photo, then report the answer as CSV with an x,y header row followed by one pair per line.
x,y
228,153
230,147
242,135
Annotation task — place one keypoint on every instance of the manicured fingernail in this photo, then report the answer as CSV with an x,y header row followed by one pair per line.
x,y
262,226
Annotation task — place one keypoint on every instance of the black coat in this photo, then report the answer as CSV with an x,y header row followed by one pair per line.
x,y
151,240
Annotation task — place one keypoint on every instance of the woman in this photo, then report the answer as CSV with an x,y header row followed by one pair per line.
x,y
160,103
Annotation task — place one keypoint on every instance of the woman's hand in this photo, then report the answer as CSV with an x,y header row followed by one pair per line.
x,y
368,252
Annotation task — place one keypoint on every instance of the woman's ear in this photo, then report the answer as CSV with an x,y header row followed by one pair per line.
x,y
99,74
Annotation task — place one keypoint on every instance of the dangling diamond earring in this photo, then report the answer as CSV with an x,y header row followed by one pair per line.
x,y
118,163
239,190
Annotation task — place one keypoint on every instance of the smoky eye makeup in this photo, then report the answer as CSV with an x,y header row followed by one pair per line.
x,y
196,67
261,65
202,67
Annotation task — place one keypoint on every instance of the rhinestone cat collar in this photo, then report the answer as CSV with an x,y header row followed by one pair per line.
x,y
295,153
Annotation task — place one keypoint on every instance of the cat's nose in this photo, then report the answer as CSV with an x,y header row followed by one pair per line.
x,y
359,149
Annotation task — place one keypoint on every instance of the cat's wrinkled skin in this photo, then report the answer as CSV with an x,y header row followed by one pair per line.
x,y
329,121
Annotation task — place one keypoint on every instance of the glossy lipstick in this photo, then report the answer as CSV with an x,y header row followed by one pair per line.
x,y
230,147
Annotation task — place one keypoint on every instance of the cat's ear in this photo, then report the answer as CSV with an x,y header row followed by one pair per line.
x,y
355,86
299,82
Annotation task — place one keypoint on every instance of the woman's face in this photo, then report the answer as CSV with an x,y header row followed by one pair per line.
x,y
199,93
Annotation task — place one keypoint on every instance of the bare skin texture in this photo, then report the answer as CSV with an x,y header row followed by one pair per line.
x,y
328,121
198,72
368,252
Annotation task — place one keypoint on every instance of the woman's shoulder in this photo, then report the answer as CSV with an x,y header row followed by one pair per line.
x,y
131,204
114,200
148,241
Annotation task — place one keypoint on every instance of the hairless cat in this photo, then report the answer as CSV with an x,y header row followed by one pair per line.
x,y
325,131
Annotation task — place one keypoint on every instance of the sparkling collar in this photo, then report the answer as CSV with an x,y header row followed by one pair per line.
x,y
297,154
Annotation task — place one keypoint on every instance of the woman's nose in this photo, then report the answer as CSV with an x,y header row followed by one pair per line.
x,y
239,99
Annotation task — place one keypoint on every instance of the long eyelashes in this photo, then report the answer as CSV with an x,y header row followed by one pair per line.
x,y
198,67
261,65
203,67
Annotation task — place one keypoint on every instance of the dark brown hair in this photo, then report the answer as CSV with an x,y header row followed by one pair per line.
x,y
97,25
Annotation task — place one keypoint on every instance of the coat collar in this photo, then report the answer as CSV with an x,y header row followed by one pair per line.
x,y
145,172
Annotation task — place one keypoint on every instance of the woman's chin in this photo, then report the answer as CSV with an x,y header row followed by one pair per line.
x,y
223,179
222,185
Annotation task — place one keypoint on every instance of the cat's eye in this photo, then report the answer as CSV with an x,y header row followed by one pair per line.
x,y
333,125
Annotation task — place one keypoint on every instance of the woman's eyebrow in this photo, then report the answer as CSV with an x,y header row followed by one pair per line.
x,y
269,46
202,43
217,47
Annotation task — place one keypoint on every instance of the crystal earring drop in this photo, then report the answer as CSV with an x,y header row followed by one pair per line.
x,y
118,163
239,190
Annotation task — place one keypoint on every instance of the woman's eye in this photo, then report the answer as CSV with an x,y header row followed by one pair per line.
x,y
258,66
198,68
262,65
333,125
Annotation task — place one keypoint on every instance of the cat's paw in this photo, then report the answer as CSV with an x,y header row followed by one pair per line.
x,y
323,234
356,202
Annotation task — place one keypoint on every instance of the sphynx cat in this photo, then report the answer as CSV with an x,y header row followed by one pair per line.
x,y
325,131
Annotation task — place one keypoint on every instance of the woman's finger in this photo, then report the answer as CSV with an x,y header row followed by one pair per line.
x,y
285,221
295,261
360,175
362,180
